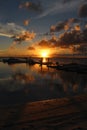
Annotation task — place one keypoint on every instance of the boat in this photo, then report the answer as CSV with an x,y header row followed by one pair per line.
x,y
13,60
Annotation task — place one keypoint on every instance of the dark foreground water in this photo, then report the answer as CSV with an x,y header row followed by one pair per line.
x,y
20,83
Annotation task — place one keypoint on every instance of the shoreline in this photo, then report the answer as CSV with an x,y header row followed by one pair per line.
x,y
66,113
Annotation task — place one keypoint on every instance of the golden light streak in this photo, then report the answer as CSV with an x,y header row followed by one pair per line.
x,y
44,60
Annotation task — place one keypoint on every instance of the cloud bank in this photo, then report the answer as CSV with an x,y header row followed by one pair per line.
x,y
83,10
64,25
25,36
10,29
16,32
75,38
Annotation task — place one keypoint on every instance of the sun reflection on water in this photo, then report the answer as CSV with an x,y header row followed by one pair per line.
x,y
44,60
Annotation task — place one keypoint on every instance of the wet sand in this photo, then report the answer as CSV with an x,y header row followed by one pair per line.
x,y
57,114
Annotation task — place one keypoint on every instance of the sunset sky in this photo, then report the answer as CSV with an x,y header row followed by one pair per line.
x,y
29,26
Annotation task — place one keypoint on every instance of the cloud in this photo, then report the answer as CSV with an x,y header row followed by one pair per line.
x,y
5,35
26,22
83,10
68,39
82,49
37,7
74,20
51,43
16,32
23,78
85,35
31,48
86,26
57,7
10,29
64,25
44,43
74,37
60,26
25,36
77,27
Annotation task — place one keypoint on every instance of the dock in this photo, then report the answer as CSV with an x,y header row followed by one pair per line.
x,y
72,67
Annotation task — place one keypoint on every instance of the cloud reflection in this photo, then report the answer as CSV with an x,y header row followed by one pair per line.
x,y
43,82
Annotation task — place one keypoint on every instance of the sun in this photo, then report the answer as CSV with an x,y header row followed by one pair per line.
x,y
44,53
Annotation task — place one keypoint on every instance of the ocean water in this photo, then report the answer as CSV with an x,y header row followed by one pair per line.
x,y
20,83
70,60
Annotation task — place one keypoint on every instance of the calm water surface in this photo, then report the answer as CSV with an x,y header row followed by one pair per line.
x,y
21,83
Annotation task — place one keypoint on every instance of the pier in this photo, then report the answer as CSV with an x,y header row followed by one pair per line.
x,y
73,67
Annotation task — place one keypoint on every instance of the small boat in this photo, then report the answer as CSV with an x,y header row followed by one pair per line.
x,y
13,60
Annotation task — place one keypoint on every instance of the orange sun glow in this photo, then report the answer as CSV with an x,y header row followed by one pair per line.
x,y
44,53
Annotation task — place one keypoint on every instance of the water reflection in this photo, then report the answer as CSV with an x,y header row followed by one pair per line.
x,y
37,82
23,78
73,82
44,60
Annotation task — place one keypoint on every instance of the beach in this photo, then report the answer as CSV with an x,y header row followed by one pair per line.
x,y
68,113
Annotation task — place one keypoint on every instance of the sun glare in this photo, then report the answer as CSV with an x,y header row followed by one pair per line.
x,y
44,53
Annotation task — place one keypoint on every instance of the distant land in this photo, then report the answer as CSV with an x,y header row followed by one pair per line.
x,y
52,56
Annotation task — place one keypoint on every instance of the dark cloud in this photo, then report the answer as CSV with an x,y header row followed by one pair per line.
x,y
74,20
44,43
74,37
70,38
85,35
60,26
83,10
37,7
31,48
51,43
25,36
82,49
64,25
53,40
